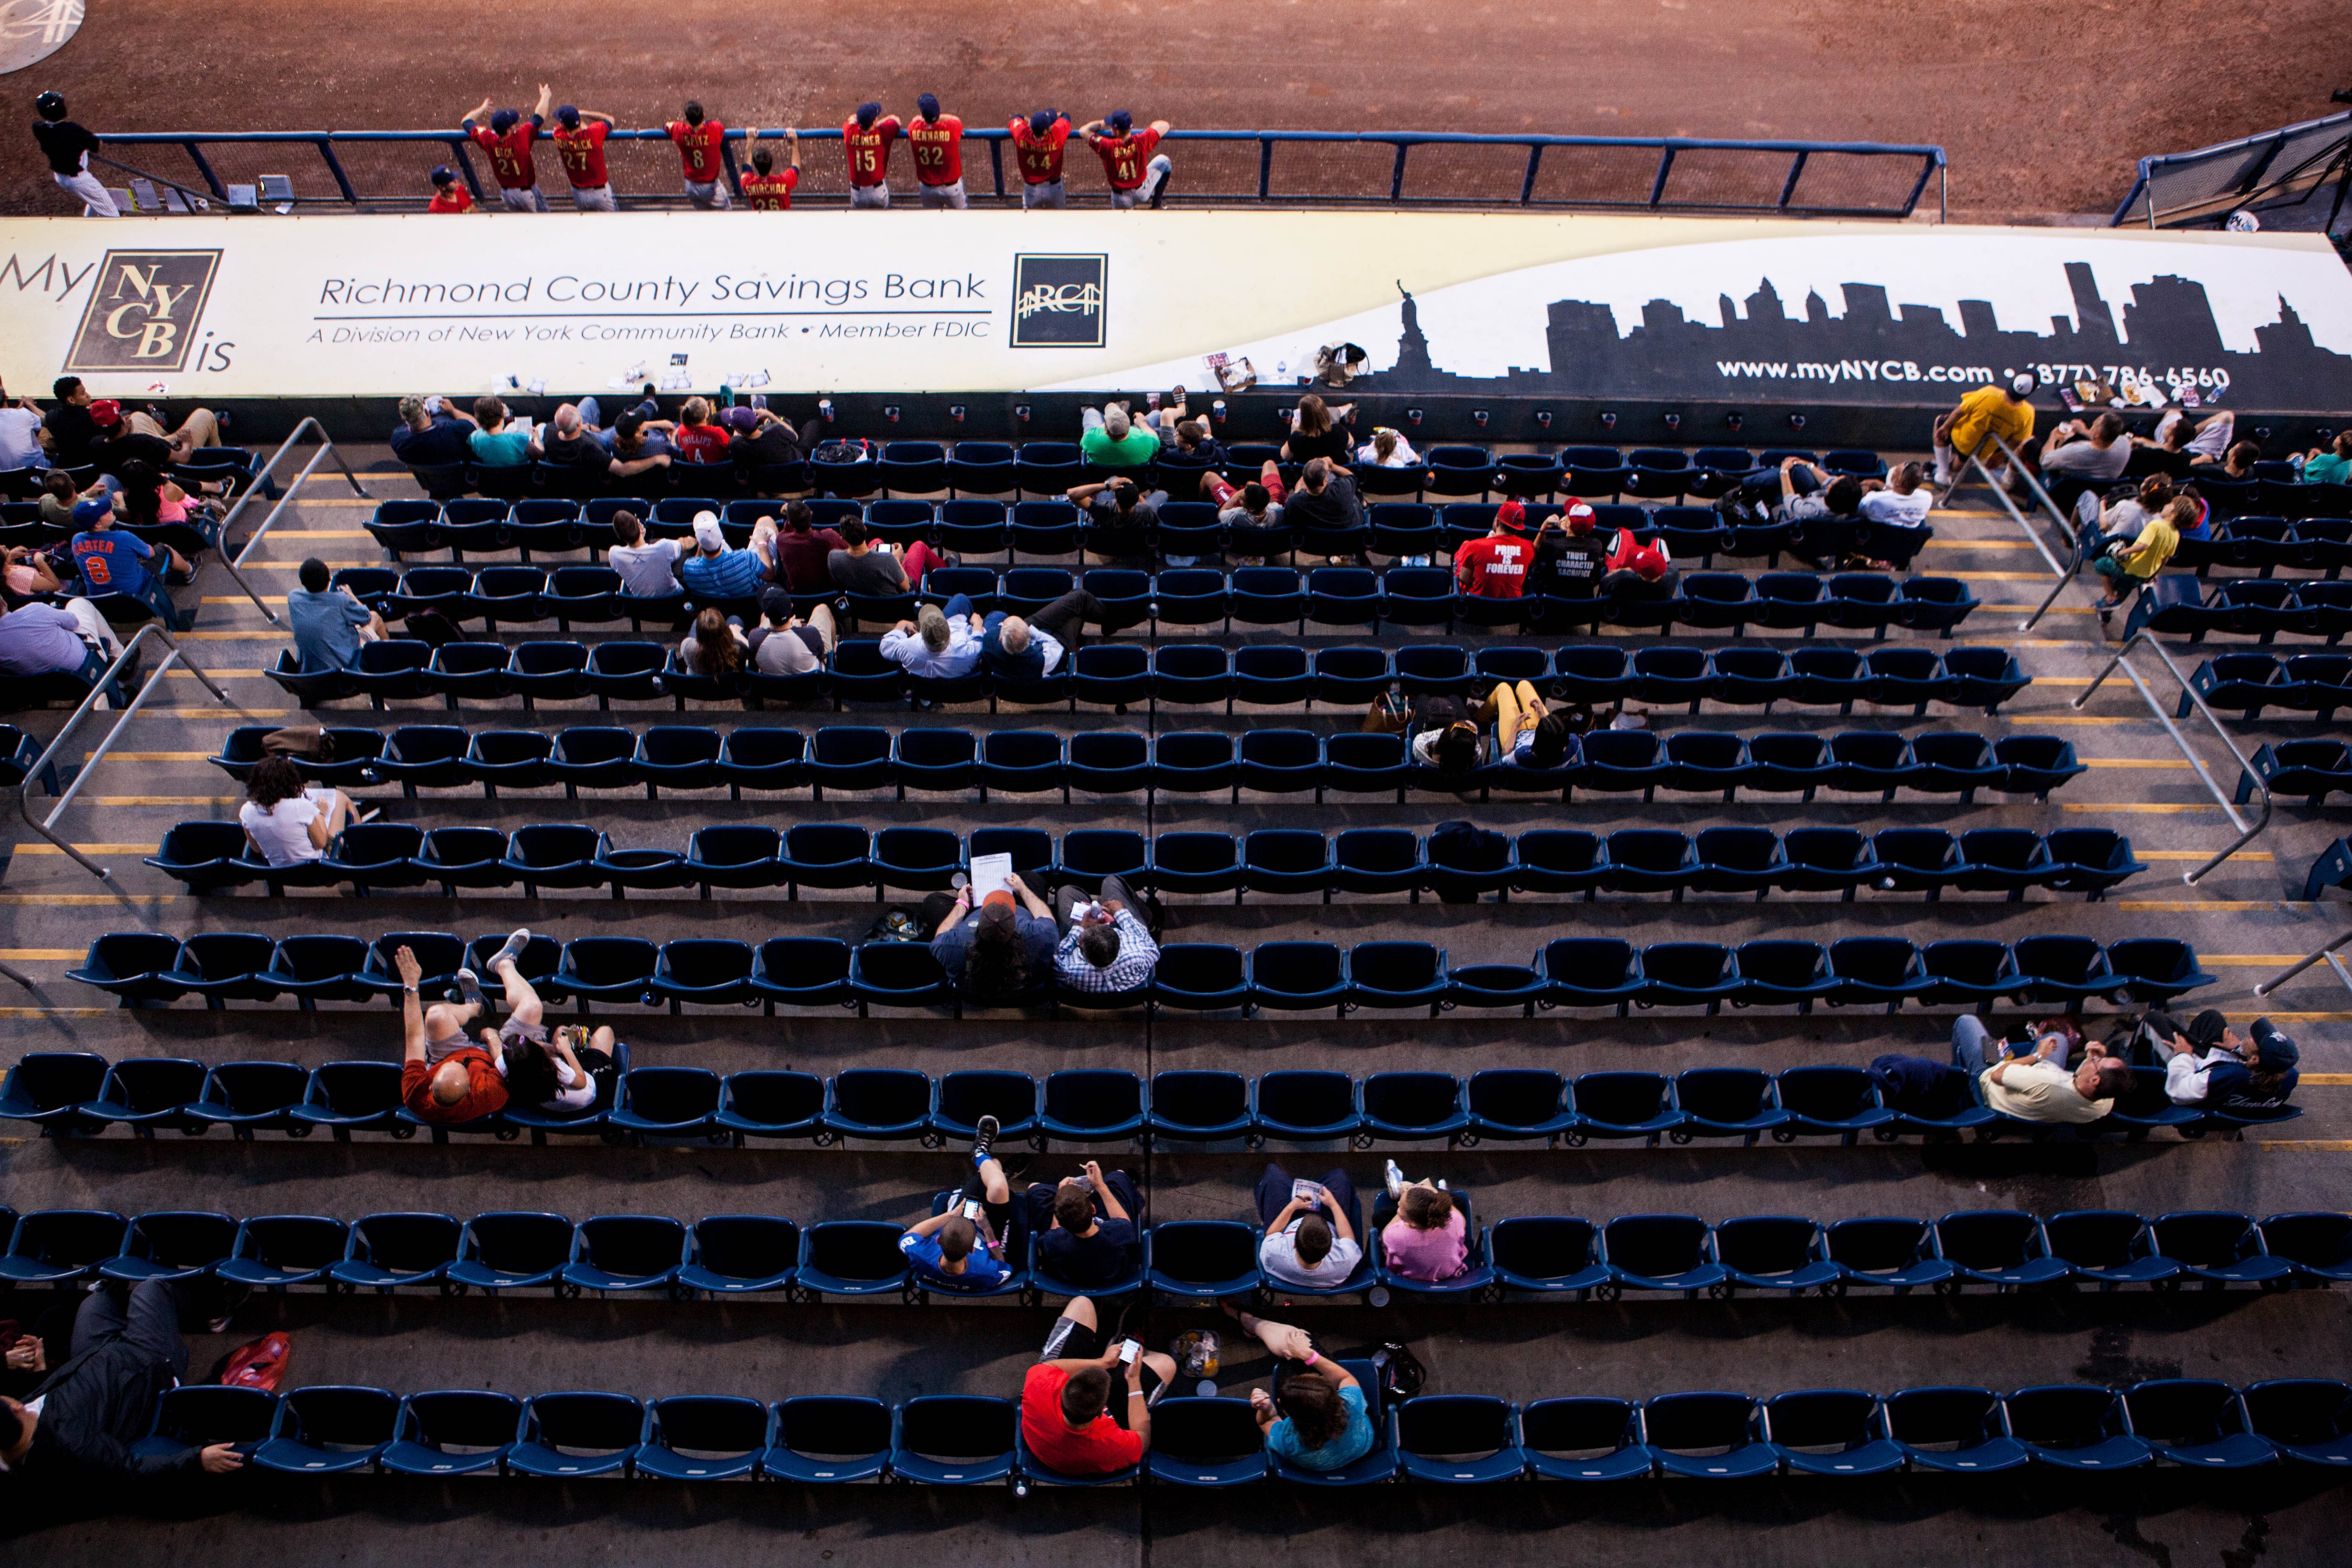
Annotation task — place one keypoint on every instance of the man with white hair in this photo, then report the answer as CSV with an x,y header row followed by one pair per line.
x,y
715,572
1109,440
938,643
1032,647
446,1076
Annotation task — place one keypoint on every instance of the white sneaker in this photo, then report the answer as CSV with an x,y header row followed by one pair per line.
x,y
1395,1179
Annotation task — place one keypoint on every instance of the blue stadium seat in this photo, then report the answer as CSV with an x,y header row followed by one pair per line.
x,y
274,1251
1091,1105
139,1092
452,1432
1774,1252
667,1101
1585,1438
1306,1106
1899,1254
959,1099
250,1097
385,1251
1546,1255
50,1088
1397,975
328,1429
1411,1107
1206,1442
852,1257
1513,1104
1725,1102
1196,977
2074,1427
2001,1247
172,1245
1829,1432
1458,1440
876,1102
1842,1101
572,1435
1616,1105
1961,1431
354,1096
2219,1248
1708,1436
897,974
1199,1105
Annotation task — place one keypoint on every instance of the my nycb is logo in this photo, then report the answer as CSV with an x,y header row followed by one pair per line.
x,y
1058,301
142,314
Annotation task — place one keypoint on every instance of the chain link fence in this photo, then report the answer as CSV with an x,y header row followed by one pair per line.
x,y
2286,167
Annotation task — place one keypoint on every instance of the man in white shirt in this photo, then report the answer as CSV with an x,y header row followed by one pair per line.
x,y
937,644
2038,1087
647,569
1312,1245
20,434
1904,499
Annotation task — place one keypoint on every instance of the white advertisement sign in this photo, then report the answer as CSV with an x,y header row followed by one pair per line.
x,y
221,307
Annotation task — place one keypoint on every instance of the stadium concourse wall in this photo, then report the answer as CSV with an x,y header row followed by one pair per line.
x,y
1495,327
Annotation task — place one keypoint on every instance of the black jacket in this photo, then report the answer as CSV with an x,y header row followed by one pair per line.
x,y
98,1403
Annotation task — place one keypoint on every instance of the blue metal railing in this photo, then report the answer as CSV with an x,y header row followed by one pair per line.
x,y
2293,161
366,170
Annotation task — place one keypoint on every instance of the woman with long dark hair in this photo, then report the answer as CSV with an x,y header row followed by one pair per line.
x,y
572,1070
1001,949
287,822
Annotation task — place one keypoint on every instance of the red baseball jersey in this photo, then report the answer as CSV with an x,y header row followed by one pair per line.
x,y
698,148
701,443
1123,156
583,154
938,146
771,192
1041,157
456,199
511,154
868,150
1498,567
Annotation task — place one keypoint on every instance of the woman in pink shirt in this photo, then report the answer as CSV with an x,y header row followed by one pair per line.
x,y
1429,1238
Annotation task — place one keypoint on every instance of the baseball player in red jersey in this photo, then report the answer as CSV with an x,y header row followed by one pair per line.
x,y
507,139
449,193
698,148
1133,181
767,188
579,138
936,141
866,139
1038,143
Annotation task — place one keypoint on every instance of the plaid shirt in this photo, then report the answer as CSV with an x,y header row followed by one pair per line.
x,y
1137,954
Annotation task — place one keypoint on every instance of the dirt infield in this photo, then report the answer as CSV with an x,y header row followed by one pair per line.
x,y
2043,108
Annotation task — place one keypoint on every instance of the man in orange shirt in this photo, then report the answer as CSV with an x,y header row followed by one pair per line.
x,y
767,188
866,139
449,193
1038,143
937,140
697,147
1123,152
445,1076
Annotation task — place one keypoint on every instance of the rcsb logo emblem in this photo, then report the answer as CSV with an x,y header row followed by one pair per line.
x,y
1058,301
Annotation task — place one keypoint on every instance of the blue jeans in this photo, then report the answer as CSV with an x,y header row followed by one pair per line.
x,y
593,413
958,609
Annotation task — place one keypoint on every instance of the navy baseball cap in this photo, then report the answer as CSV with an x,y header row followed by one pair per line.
x,y
1040,122
2273,1052
865,113
94,511
569,115
1121,120
927,106
503,120
445,175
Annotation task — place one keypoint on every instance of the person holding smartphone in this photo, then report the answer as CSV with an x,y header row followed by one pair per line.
x,y
962,1248
1086,1406
1321,1421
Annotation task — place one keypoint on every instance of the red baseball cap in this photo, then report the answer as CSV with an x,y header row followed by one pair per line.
x,y
1649,561
1512,514
1579,519
105,411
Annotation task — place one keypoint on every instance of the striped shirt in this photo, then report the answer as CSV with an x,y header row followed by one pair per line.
x,y
1137,956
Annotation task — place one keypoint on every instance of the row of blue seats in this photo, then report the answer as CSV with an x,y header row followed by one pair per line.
x,y
2315,683
1285,976
2248,606
1188,761
2310,769
1117,674
1400,531
78,1093
2268,543
210,856
1198,597
1050,467
1214,1442
1551,1256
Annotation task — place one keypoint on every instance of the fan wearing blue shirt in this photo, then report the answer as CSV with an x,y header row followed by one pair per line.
x,y
113,562
953,1251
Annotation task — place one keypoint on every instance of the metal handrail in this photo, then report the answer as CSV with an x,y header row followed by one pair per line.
x,y
2327,953
327,449
46,828
2245,835
1931,159
2077,547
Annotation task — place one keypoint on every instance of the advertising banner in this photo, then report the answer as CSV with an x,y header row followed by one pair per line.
x,y
1494,304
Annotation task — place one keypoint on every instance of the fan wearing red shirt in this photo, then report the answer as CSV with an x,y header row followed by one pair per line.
x,y
937,142
1038,144
449,193
1495,567
767,189
507,139
1064,1396
1133,181
698,148
580,141
698,437
866,139
1638,571
447,1077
